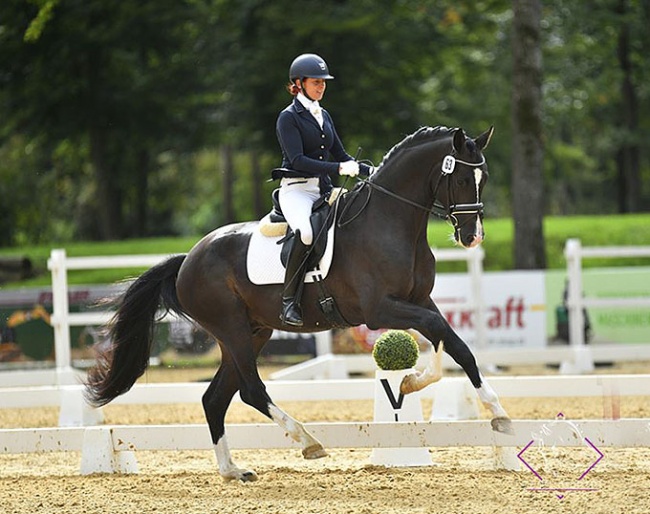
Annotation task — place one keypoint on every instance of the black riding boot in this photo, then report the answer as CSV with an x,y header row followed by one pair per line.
x,y
294,279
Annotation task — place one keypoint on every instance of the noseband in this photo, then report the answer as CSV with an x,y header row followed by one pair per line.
x,y
451,212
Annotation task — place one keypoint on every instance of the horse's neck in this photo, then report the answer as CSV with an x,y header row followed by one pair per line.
x,y
411,178
406,214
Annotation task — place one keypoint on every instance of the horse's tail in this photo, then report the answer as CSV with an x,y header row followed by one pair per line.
x,y
130,332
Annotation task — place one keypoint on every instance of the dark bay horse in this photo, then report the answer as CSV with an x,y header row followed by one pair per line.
x,y
382,275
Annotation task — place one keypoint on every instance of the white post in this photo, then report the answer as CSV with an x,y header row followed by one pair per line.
x,y
59,319
323,341
574,297
582,359
98,454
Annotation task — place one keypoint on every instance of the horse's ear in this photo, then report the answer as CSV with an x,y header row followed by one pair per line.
x,y
459,139
483,140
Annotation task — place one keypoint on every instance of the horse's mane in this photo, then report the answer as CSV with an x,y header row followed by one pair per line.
x,y
420,136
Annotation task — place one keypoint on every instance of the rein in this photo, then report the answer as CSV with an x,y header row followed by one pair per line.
x,y
437,209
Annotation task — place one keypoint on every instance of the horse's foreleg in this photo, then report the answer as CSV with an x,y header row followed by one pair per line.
x,y
460,352
500,419
428,320
431,374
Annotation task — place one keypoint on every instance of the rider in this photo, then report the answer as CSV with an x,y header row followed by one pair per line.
x,y
311,153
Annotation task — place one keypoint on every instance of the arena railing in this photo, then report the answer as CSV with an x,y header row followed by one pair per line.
x,y
62,319
575,253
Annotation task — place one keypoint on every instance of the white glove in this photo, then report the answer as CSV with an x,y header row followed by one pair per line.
x,y
349,168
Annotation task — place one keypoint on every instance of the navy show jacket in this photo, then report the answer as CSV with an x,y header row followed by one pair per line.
x,y
307,149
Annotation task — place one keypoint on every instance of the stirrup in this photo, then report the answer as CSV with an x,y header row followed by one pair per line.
x,y
291,313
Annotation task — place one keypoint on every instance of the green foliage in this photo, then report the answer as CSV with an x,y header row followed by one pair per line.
x,y
112,113
395,349
612,230
621,230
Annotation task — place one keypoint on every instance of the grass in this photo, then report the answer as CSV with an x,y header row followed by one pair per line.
x,y
613,230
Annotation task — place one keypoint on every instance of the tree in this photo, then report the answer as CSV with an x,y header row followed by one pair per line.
x,y
628,155
126,79
527,147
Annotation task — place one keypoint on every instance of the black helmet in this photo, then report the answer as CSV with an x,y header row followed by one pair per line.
x,y
309,66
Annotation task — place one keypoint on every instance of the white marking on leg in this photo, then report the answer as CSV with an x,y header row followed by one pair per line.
x,y
311,447
432,373
490,399
227,468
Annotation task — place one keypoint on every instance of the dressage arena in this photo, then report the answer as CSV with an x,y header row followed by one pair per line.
x,y
462,480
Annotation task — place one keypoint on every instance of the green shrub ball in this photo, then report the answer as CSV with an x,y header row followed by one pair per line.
x,y
395,349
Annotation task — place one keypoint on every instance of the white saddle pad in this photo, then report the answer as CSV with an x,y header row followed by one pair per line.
x,y
263,259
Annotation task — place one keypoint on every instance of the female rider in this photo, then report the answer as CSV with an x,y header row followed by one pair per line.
x,y
311,153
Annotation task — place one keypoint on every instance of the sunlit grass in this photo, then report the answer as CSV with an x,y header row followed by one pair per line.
x,y
618,230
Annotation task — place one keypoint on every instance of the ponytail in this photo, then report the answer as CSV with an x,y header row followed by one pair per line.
x,y
293,88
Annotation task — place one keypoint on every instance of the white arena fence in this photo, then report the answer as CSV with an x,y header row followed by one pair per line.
x,y
62,319
75,412
113,448
576,358
622,433
575,253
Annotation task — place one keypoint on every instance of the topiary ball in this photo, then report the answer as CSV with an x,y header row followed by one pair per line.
x,y
395,349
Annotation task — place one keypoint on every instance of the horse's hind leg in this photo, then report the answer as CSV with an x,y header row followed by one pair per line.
x,y
216,400
253,392
238,369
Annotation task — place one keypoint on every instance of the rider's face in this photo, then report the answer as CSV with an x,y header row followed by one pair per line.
x,y
314,88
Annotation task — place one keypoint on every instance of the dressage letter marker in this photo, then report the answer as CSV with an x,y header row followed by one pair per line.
x,y
393,406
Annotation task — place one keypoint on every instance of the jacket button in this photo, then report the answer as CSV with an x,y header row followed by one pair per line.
x,y
320,157
322,147
323,136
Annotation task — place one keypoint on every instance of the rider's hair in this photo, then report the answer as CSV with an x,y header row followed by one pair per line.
x,y
293,88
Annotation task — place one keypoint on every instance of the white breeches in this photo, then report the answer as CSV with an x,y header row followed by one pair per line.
x,y
297,196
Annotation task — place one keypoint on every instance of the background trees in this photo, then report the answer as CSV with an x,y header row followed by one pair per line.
x,y
133,119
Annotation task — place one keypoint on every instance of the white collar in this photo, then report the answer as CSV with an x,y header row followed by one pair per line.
x,y
309,104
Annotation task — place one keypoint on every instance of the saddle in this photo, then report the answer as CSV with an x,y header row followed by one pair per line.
x,y
274,225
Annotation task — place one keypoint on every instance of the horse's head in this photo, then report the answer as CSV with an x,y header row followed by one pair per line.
x,y
465,172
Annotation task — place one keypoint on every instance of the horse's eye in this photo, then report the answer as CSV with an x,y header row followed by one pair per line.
x,y
461,182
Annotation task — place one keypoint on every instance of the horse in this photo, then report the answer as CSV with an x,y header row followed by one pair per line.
x,y
382,275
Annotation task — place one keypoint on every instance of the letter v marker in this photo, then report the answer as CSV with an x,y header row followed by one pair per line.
x,y
396,403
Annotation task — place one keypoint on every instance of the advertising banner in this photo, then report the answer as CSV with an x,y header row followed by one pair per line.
x,y
515,307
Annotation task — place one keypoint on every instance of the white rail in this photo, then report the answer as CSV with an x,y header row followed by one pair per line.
x,y
623,433
574,253
62,319
75,412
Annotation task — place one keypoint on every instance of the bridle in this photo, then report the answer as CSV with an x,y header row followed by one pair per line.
x,y
451,212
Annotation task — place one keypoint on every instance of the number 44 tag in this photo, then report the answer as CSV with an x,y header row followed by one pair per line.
x,y
448,164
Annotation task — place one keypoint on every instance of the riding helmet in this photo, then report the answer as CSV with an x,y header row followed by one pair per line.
x,y
309,66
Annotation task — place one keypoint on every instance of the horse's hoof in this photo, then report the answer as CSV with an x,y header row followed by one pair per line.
x,y
407,386
315,451
243,475
503,425
248,476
